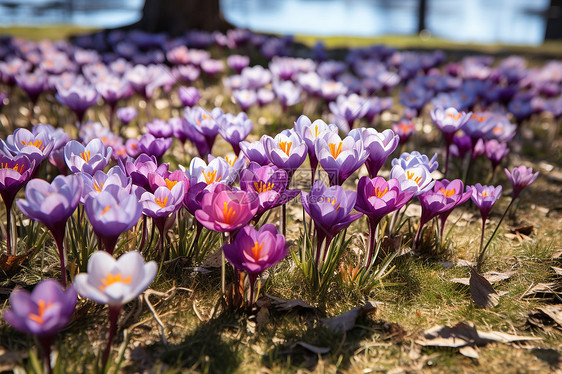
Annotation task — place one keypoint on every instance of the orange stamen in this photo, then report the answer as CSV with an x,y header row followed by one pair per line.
x,y
256,250
380,192
447,193
228,213
110,279
335,151
85,155
456,118
262,187
231,163
170,184
160,202
36,144
285,147
42,307
105,210
210,176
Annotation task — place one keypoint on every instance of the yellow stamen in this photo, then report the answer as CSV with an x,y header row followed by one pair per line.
x,y
170,184
98,188
228,213
411,175
315,133
262,187
380,192
335,151
36,144
456,118
42,307
160,202
85,155
231,162
210,176
447,193
256,250
16,167
484,194
285,147
110,279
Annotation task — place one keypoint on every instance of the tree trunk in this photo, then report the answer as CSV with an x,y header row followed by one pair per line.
x,y
175,17
554,21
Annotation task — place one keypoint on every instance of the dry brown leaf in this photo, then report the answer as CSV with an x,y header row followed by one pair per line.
x,y
213,260
554,312
481,290
346,321
545,291
10,264
282,305
557,270
465,334
469,352
491,276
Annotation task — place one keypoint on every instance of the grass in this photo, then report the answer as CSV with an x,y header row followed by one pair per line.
x,y
205,335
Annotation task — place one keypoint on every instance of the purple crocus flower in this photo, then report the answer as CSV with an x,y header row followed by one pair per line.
x,y
139,169
112,212
89,159
189,96
378,145
340,157
330,209
34,84
237,62
15,172
408,160
449,121
78,97
349,108
253,251
43,312
95,184
376,198
226,210
127,114
495,151
310,132
270,183
52,204
417,178
484,197
286,151
245,98
154,146
265,96
520,177
204,123
234,129
255,151
159,128
454,189
216,171
404,129
287,93
36,147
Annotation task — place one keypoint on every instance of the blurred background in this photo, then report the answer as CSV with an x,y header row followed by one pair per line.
x,y
521,22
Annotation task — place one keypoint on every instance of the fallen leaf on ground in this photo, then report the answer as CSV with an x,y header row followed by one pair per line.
x,y
311,348
545,291
282,305
10,264
469,352
346,321
213,260
465,334
546,315
481,290
491,276
557,270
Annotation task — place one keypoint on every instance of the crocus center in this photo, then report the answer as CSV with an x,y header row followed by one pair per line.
x,y
447,193
485,194
36,144
85,155
170,184
105,210
231,161
203,117
42,306
261,186
497,130
16,167
315,133
210,176
379,192
332,201
405,127
161,202
285,147
455,117
335,151
228,213
412,175
98,187
110,279
479,118
256,250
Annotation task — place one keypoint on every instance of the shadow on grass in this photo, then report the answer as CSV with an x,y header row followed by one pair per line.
x,y
207,349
